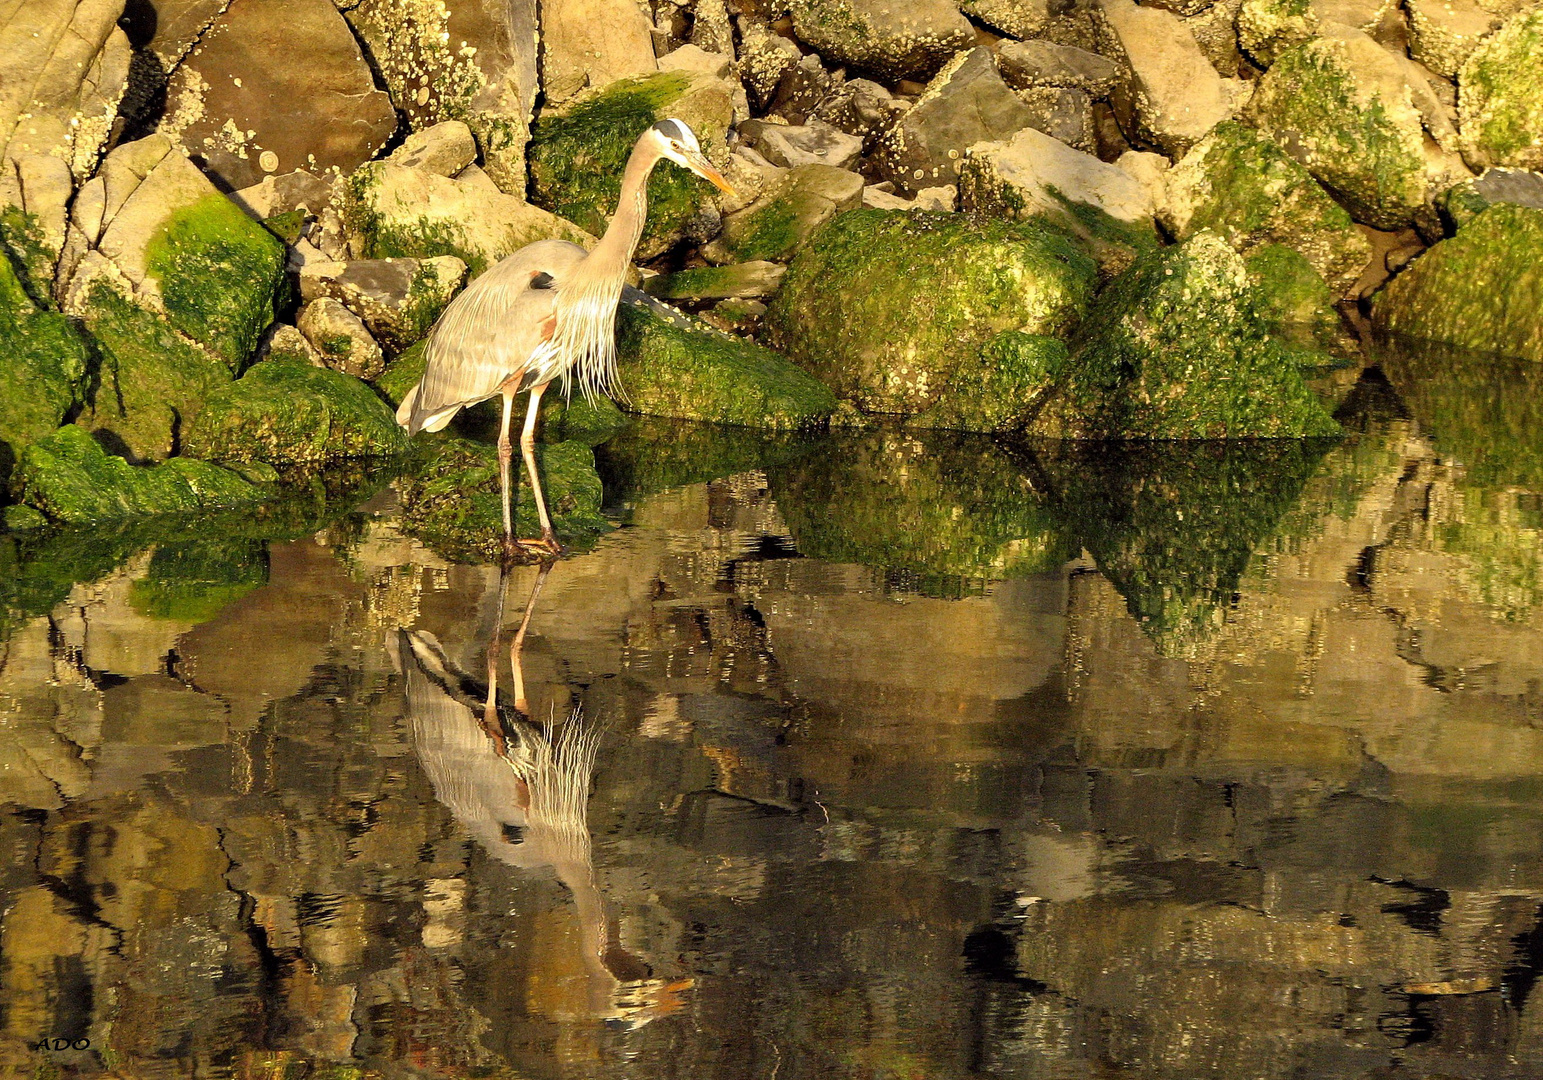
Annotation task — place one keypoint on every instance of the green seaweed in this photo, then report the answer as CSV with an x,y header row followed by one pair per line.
x,y
32,258
43,364
1500,97
1002,387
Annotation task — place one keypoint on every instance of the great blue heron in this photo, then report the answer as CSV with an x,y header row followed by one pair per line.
x,y
547,311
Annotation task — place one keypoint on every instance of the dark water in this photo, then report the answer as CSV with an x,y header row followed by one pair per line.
x,y
917,757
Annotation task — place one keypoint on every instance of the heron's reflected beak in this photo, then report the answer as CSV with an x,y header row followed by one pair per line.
x,y
703,168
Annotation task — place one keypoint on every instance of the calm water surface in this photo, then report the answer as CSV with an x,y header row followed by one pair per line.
x,y
884,755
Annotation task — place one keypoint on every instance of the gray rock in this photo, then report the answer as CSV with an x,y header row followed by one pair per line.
x,y
591,43
274,86
802,87
965,104
1170,94
1026,64
170,27
736,281
860,107
1015,18
1511,186
298,190
815,143
445,149
894,40
398,299
774,226
1062,113
695,58
340,337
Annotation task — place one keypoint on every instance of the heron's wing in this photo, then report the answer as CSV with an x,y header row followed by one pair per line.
x,y
490,331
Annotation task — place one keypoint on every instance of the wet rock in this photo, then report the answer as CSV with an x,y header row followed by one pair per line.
x,y
777,224
1175,349
1251,192
1500,99
748,280
35,193
444,149
735,316
802,87
392,212
340,337
1296,304
592,43
895,41
1481,290
1000,387
965,104
860,107
453,503
577,155
43,364
1015,18
169,28
815,143
1464,201
64,64
273,86
1170,95
1026,64
287,413
885,306
398,299
70,478
1355,116
467,60
1063,114
673,366
1444,33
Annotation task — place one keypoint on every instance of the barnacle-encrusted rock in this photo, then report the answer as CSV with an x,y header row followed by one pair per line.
x,y
1171,94
1015,18
578,154
590,43
398,299
884,306
764,58
340,338
894,40
392,212
1481,290
1000,387
1267,28
966,103
70,478
467,60
777,224
444,149
285,412
1251,192
1175,348
1295,303
42,367
1500,97
1026,64
1444,33
671,365
273,86
1355,115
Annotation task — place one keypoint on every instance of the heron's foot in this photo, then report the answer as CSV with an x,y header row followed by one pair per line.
x,y
546,547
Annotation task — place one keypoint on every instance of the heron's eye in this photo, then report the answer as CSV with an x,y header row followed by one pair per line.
x,y
677,146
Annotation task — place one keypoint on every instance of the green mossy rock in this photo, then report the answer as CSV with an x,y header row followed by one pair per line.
x,y
1249,191
285,412
930,505
452,504
1173,527
42,370
1500,97
885,306
1267,28
219,273
24,244
191,581
1481,289
71,479
151,382
1176,348
1002,387
1295,303
654,455
673,366
578,153
777,224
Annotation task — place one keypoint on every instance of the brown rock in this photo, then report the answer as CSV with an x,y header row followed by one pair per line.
x,y
590,43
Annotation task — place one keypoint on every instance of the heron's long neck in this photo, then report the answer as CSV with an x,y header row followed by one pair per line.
x,y
614,252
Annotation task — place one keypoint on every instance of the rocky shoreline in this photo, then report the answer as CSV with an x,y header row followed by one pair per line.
x,y
227,223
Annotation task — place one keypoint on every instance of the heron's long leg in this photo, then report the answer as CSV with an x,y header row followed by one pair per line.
x,y
521,705
528,452
505,455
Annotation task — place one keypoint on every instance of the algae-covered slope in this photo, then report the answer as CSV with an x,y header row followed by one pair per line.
x,y
42,370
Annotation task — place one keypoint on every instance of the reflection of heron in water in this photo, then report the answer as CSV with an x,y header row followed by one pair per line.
x,y
522,790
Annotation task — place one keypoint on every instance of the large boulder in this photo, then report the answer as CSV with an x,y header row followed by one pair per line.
x,y
467,60
777,224
578,153
42,366
1444,33
1175,348
672,365
273,86
884,306
1029,64
391,212
1170,96
1252,192
966,103
1481,289
1500,97
288,413
1000,387
1356,116
1267,28
892,40
591,43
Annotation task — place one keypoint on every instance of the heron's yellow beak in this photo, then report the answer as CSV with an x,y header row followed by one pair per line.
x,y
703,168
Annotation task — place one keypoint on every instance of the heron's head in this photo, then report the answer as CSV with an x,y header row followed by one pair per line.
x,y
678,142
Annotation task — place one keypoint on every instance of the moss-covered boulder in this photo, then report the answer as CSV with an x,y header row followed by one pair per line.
x,y
1001,387
26,245
884,306
452,503
1251,192
70,478
1500,97
672,365
1356,116
1295,303
578,153
776,225
285,412
1267,28
151,381
1481,289
1176,348
928,504
42,370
